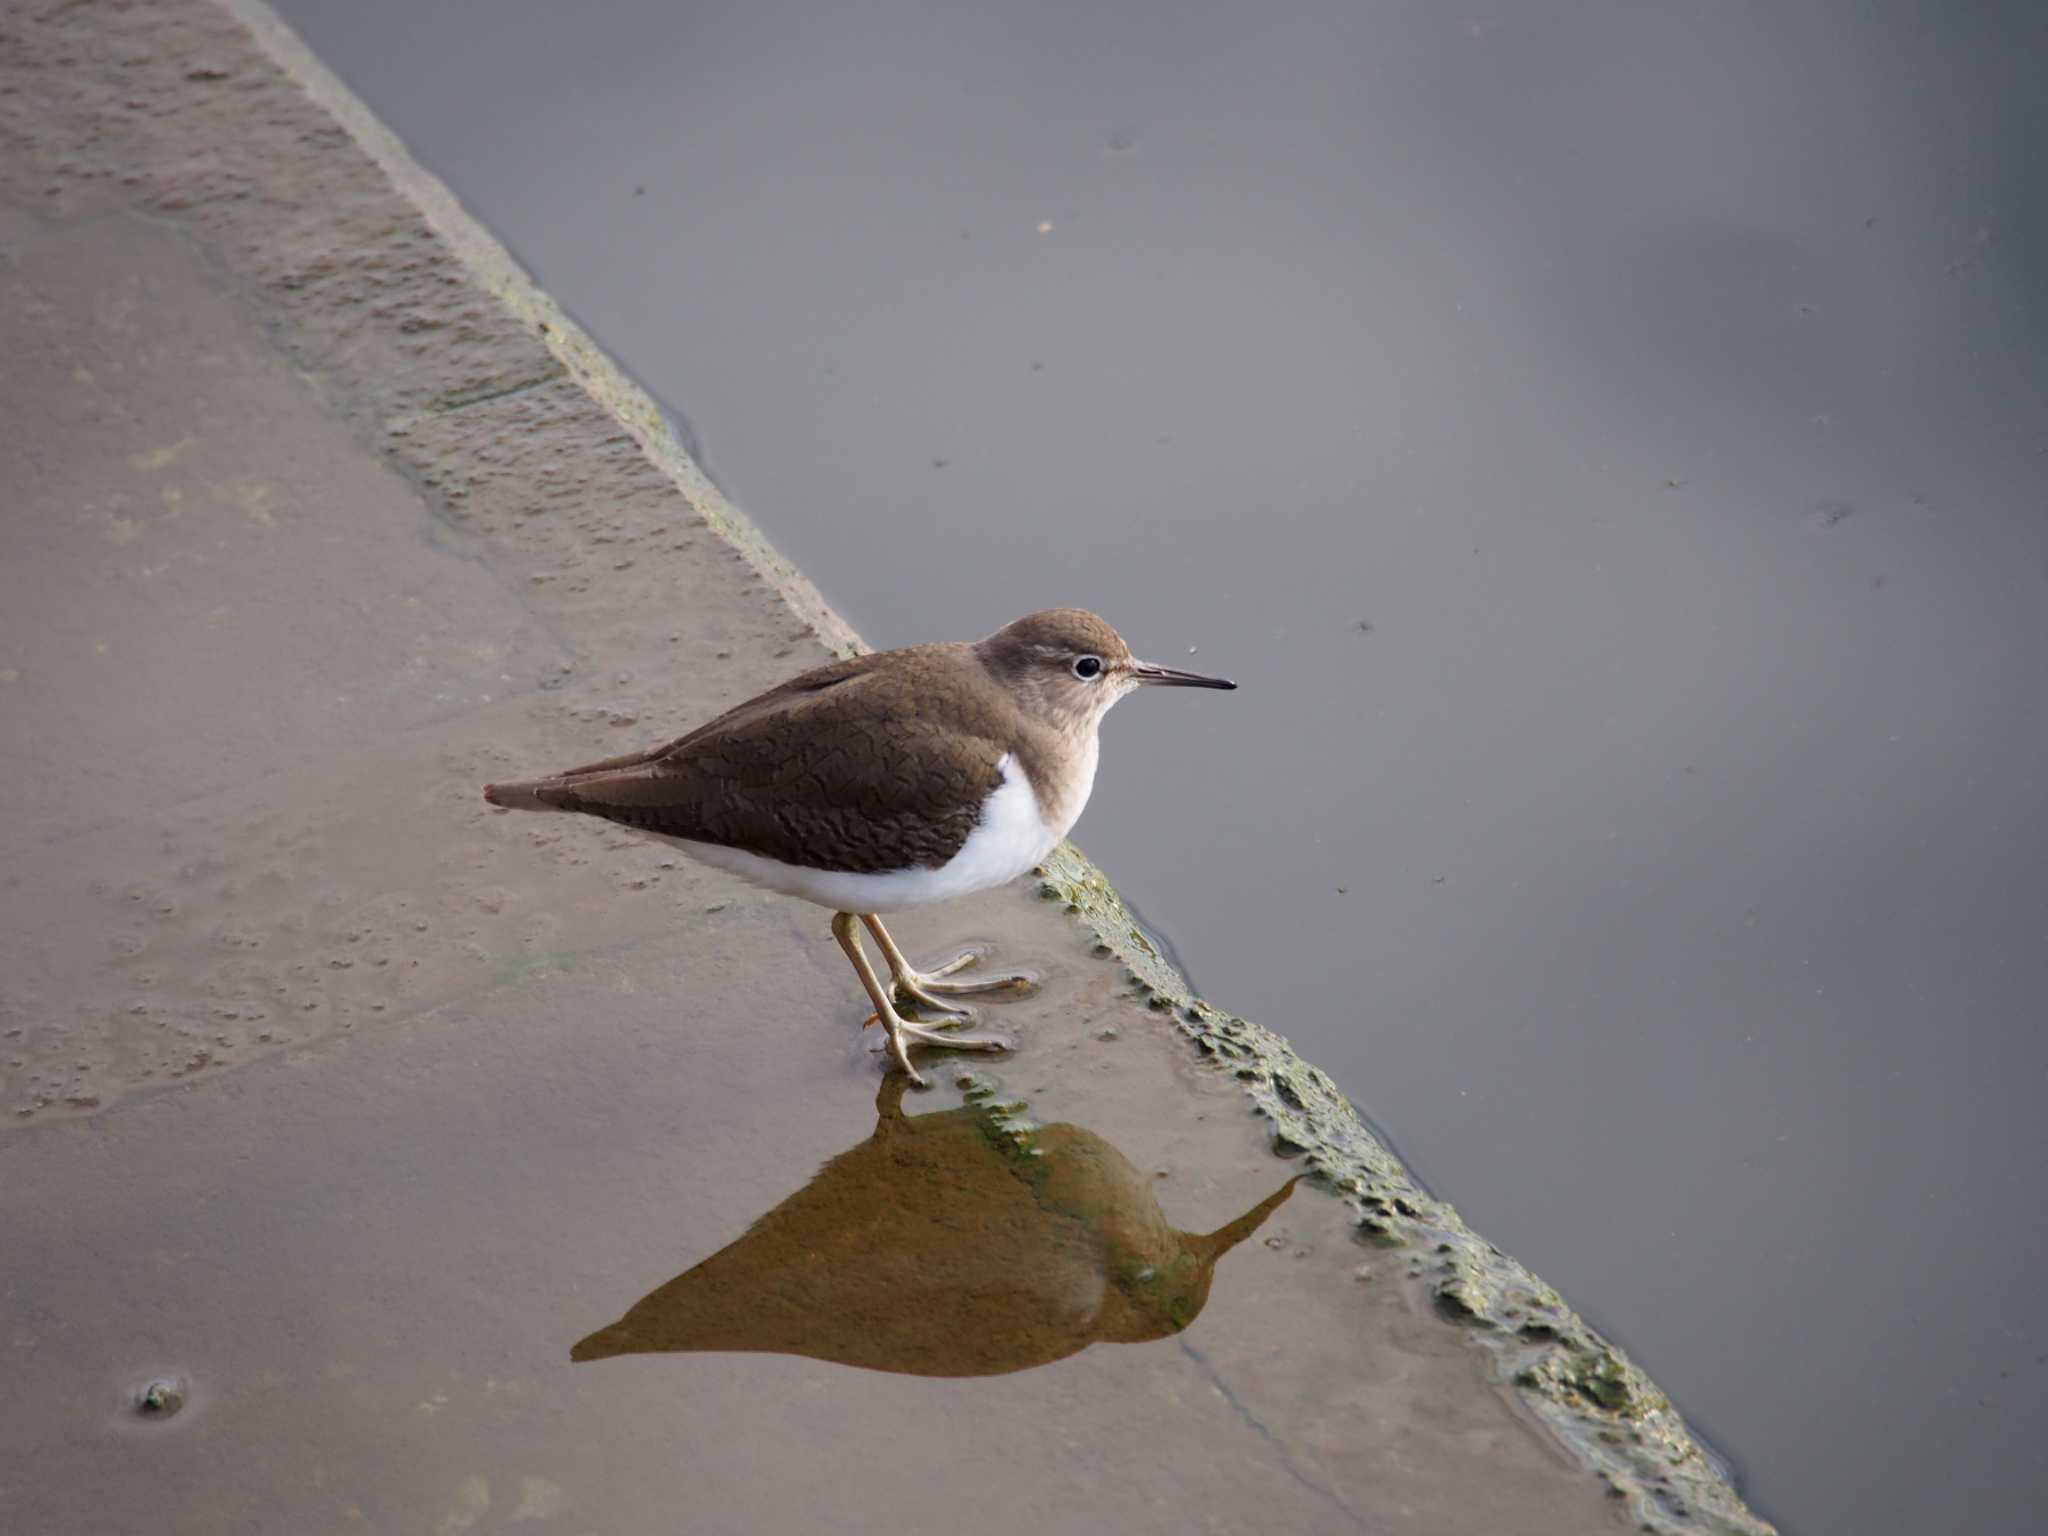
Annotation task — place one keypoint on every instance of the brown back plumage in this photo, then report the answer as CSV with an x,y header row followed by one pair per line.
x,y
866,765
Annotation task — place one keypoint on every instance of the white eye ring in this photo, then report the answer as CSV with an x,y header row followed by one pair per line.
x,y
1088,668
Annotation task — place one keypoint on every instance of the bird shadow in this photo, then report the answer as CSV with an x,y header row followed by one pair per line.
x,y
968,1242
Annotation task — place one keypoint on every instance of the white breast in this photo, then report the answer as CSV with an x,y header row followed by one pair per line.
x,y
1010,839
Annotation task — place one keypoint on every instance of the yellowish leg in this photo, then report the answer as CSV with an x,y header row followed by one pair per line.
x,y
920,985
899,1032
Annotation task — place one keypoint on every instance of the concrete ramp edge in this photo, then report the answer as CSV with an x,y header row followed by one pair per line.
x,y
1601,1406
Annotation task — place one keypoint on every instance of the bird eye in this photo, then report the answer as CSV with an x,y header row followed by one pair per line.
x,y
1087,668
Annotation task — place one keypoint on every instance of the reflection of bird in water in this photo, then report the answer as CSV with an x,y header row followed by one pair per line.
x,y
963,1243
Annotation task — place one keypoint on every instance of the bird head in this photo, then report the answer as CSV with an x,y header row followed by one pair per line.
x,y
1068,666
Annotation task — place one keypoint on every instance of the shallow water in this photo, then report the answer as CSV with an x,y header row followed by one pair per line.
x,y
396,1281
1608,449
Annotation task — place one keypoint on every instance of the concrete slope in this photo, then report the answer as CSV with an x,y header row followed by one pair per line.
x,y
345,1106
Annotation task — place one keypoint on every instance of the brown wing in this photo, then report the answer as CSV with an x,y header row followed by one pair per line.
x,y
853,766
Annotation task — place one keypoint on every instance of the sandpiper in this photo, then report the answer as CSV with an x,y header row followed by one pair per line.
x,y
884,782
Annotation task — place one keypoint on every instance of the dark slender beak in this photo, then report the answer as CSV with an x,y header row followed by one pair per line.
x,y
1173,677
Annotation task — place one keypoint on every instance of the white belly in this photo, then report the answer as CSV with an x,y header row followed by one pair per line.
x,y
1011,838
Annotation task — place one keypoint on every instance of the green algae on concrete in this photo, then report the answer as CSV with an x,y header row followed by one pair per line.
x,y
1585,1388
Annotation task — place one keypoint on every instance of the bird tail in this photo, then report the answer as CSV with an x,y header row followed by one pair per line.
x,y
551,793
525,795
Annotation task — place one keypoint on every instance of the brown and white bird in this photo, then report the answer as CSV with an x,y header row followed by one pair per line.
x,y
884,782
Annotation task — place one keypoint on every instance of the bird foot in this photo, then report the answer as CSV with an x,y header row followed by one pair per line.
x,y
928,987
951,1042
939,1032
939,1036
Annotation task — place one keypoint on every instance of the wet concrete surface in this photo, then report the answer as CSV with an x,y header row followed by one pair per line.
x,y
371,1260
342,1107
203,645
1606,443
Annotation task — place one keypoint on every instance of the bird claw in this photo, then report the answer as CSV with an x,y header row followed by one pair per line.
x,y
927,987
949,1042
937,1036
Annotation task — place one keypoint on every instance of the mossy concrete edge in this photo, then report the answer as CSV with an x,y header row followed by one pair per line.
x,y
1586,1390
1591,1395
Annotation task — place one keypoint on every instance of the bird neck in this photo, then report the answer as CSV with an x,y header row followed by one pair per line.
x,y
1060,763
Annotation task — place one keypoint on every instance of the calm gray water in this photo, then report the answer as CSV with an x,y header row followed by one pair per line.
x,y
1609,445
